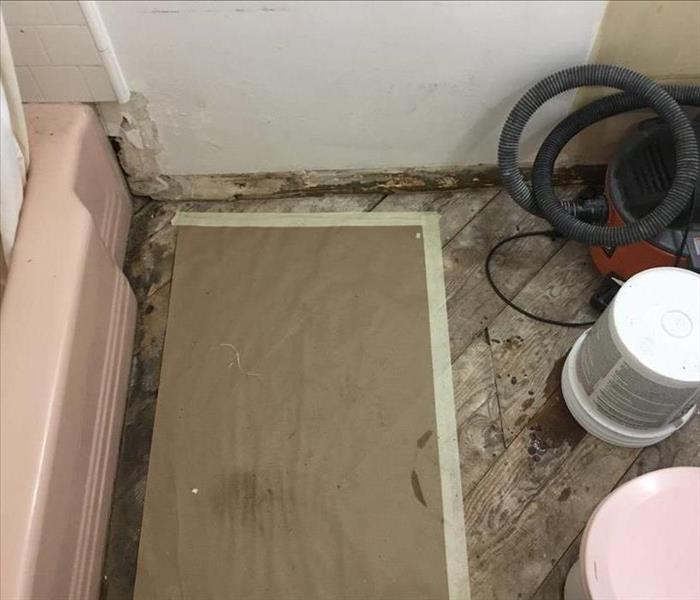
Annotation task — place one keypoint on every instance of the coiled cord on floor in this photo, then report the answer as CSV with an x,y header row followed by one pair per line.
x,y
489,277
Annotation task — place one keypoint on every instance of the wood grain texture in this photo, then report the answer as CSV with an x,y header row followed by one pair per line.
x,y
455,208
530,506
681,449
509,571
552,588
526,351
478,414
471,303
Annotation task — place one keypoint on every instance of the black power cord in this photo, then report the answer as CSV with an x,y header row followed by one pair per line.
x,y
487,265
686,231
679,252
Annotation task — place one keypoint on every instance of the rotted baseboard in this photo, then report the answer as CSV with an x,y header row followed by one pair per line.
x,y
311,183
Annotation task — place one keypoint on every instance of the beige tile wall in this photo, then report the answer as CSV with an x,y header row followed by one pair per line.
x,y
54,52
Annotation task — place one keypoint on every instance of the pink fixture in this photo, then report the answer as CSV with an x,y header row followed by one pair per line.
x,y
643,541
67,321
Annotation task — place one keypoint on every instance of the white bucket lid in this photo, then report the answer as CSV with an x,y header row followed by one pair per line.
x,y
656,323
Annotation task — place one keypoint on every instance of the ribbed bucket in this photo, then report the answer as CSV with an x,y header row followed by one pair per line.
x,y
634,377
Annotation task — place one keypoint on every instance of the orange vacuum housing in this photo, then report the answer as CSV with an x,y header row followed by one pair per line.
x,y
625,261
637,179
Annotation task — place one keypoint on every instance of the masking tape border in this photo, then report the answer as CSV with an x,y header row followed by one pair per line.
x,y
445,415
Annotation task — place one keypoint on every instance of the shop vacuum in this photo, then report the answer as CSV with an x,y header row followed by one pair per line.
x,y
633,378
649,212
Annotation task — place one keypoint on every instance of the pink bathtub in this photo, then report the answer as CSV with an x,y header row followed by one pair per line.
x,y
67,322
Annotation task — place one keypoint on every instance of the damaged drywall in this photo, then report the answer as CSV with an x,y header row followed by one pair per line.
x,y
137,143
136,138
290,87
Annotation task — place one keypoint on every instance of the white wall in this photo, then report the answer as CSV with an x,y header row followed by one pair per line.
x,y
238,87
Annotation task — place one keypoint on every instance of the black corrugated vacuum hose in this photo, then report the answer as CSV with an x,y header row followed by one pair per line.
x,y
640,92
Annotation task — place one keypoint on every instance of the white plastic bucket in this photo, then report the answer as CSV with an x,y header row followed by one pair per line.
x,y
634,377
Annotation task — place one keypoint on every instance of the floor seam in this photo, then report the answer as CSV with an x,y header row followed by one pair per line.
x,y
500,420
478,212
556,564
144,205
152,234
505,306
383,197
495,388
543,487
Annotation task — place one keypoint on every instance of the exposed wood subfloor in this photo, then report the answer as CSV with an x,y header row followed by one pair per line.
x,y
531,475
